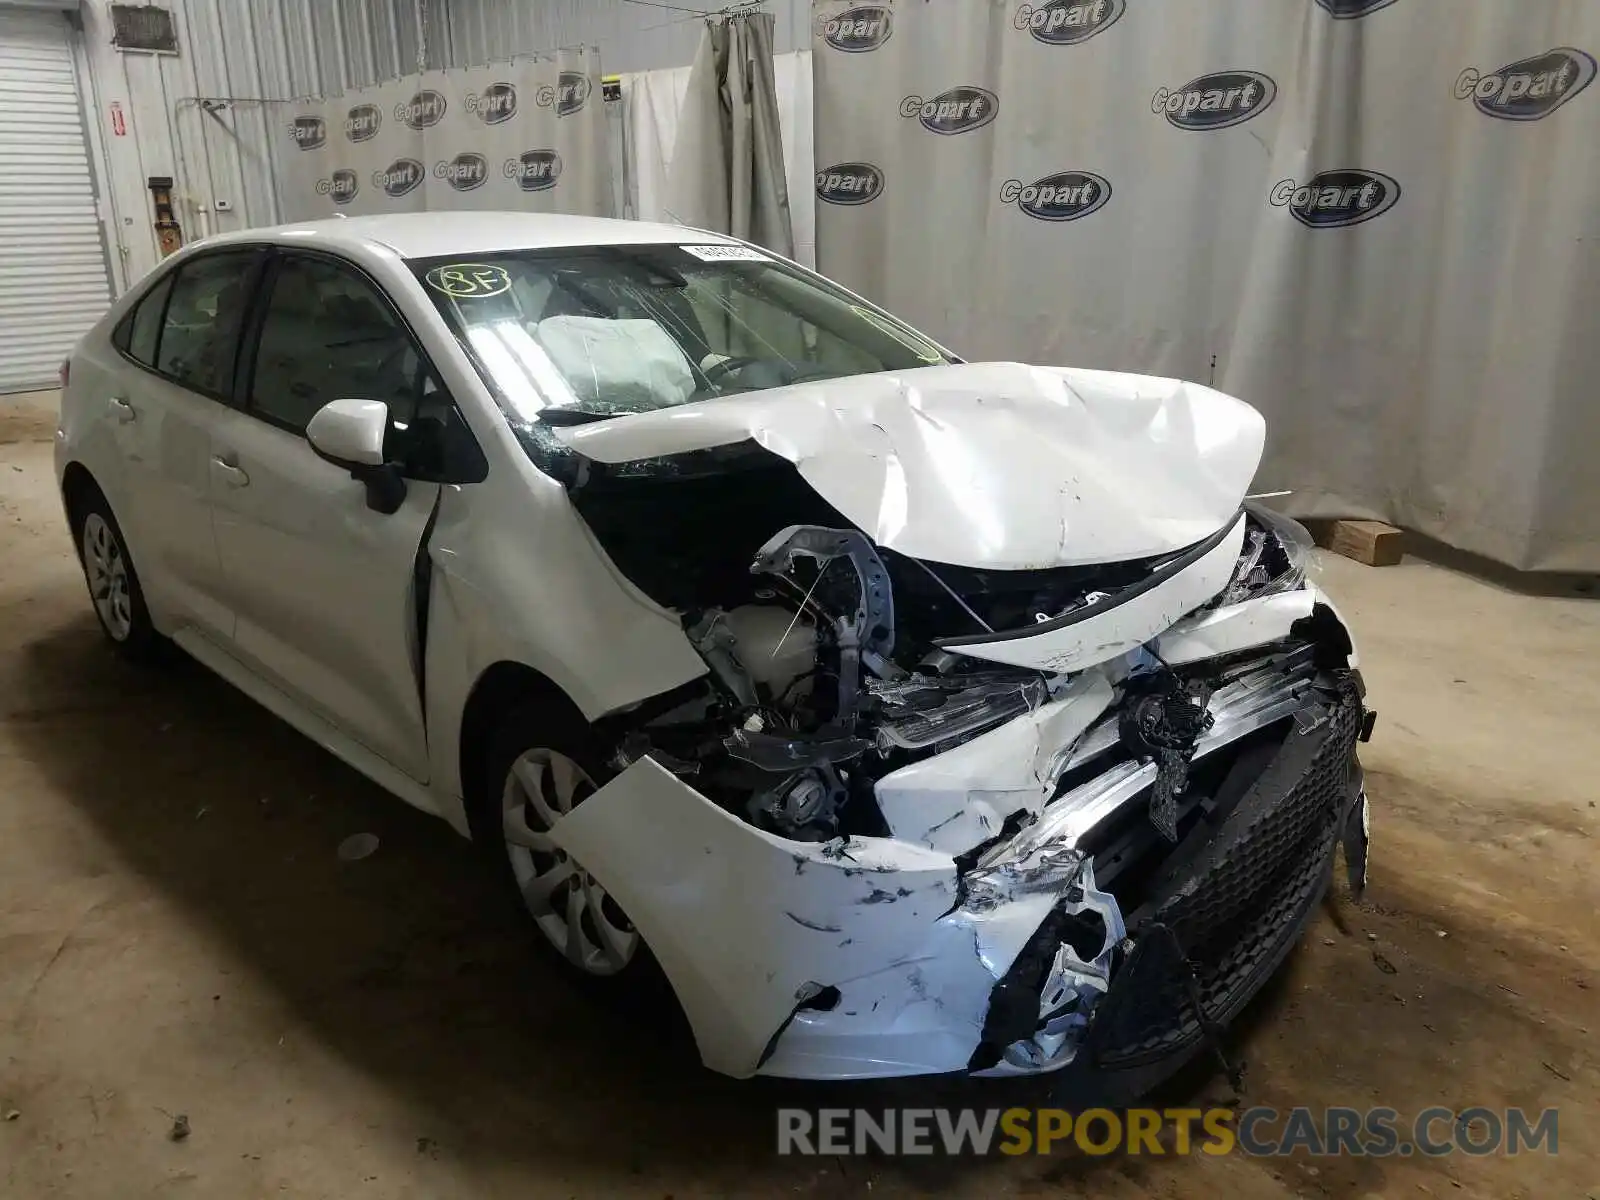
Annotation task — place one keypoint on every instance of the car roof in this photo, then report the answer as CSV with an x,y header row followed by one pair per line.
x,y
427,235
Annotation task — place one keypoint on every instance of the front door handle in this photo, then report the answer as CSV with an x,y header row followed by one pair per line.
x,y
232,475
122,410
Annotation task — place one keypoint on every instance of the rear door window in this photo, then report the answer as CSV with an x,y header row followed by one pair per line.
x,y
199,334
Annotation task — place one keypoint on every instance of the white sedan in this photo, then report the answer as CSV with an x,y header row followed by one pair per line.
x,y
910,715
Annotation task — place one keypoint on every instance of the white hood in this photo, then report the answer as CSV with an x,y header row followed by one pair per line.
x,y
993,465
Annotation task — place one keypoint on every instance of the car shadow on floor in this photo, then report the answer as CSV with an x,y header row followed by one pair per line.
x,y
406,963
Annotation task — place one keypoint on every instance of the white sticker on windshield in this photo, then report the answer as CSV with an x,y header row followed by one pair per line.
x,y
727,253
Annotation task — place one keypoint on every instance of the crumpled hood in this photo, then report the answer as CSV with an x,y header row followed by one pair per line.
x,y
988,465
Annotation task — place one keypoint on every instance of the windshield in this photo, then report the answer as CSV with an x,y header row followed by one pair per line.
x,y
575,334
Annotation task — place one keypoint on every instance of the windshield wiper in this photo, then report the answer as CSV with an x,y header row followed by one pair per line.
x,y
813,375
574,416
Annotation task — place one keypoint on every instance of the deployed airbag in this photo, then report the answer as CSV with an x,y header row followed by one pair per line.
x,y
624,365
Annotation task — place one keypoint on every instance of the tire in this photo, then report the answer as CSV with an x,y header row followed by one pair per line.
x,y
542,761
114,589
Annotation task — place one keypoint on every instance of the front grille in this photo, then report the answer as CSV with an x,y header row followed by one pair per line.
x,y
1234,904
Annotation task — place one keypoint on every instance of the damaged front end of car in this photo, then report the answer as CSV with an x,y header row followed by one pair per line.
x,y
924,815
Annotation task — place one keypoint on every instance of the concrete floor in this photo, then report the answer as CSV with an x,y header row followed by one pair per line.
x,y
177,935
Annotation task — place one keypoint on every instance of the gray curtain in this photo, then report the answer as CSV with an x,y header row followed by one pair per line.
x,y
527,135
1375,220
727,170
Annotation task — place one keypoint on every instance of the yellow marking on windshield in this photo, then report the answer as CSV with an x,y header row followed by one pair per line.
x,y
469,281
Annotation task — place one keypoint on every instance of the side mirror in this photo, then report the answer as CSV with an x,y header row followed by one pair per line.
x,y
349,434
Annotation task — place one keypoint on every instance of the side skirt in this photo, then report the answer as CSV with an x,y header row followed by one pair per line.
x,y
326,735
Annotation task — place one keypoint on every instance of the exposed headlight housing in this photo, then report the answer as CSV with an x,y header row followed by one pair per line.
x,y
1276,556
932,710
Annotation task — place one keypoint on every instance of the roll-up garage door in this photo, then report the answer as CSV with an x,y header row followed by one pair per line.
x,y
53,283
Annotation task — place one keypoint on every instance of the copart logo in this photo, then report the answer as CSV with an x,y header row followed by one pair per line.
x,y
496,103
363,122
849,183
1067,22
855,30
423,110
340,187
1334,199
1215,101
1529,89
568,96
399,177
464,172
1346,10
959,110
1064,196
309,133
535,171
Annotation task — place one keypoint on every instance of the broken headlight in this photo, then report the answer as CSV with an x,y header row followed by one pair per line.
x,y
1276,556
927,710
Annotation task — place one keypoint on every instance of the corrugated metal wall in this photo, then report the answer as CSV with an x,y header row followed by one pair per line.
x,y
207,117
633,35
288,48
249,56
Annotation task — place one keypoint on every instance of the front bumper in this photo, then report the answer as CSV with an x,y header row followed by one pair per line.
x,y
1212,927
876,957
1277,784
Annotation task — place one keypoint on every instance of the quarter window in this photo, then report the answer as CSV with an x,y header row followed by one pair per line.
x,y
201,329
144,324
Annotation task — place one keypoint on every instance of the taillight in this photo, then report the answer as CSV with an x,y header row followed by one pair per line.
x,y
66,371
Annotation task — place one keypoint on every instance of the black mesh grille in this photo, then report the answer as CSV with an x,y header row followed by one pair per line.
x,y
1234,905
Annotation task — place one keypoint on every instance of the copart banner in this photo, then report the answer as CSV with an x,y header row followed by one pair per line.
x,y
525,135
1372,219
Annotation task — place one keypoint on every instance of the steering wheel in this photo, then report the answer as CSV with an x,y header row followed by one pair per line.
x,y
727,366
389,360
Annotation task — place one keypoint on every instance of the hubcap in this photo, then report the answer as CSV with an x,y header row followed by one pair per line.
x,y
570,907
107,569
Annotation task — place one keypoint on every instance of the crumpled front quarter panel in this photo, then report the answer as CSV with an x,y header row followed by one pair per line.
x,y
525,582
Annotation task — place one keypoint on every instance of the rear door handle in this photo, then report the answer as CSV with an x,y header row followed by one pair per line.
x,y
122,410
232,475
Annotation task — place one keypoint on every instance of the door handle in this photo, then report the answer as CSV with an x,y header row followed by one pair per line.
x,y
232,475
122,410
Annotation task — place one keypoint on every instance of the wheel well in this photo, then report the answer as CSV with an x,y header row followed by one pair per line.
x,y
502,687
78,489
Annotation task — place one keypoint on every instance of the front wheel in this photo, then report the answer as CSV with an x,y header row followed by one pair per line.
x,y
541,767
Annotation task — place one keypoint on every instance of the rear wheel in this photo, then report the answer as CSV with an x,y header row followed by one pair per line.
x,y
113,583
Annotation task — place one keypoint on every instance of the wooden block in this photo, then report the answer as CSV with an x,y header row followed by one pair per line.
x,y
1370,542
